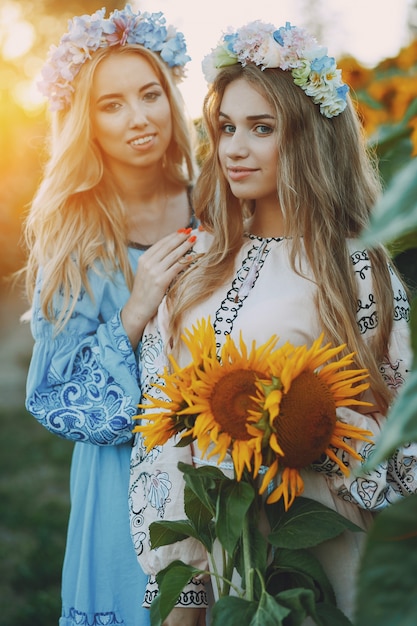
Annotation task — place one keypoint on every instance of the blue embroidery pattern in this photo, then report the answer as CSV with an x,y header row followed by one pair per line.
x,y
91,407
98,619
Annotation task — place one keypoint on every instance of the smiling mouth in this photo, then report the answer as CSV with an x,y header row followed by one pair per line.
x,y
142,140
239,173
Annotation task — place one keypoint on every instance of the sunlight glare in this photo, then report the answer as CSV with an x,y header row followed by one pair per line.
x,y
16,35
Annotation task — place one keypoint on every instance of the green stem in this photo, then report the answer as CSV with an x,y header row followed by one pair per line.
x,y
247,560
228,566
215,573
227,582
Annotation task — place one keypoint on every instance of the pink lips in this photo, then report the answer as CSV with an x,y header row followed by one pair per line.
x,y
239,173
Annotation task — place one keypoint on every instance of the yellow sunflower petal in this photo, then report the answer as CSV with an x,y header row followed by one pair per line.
x,y
291,486
269,475
336,460
242,456
273,442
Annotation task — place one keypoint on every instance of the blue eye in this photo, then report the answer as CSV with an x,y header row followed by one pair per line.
x,y
263,129
228,129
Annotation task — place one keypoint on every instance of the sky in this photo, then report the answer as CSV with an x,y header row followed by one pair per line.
x,y
370,30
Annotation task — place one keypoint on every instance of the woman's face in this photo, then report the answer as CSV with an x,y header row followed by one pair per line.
x,y
130,112
248,143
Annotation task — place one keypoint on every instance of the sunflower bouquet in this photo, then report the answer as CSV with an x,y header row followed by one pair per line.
x,y
272,412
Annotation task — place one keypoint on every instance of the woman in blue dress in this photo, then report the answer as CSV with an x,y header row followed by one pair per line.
x,y
117,181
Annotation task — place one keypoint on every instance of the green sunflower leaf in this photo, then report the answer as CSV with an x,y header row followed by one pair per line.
x,y
200,517
387,580
299,568
395,214
306,524
238,612
302,603
171,582
234,501
232,611
204,482
164,533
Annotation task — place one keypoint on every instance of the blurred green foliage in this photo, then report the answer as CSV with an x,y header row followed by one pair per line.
x,y
34,471
388,575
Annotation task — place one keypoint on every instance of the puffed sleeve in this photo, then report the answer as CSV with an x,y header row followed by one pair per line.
x,y
83,381
397,476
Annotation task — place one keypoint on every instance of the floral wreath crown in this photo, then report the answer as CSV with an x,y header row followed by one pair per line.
x,y
88,33
288,48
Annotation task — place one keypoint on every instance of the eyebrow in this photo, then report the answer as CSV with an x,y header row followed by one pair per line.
x,y
108,96
262,116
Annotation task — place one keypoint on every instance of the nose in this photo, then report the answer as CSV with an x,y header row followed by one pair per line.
x,y
237,146
138,116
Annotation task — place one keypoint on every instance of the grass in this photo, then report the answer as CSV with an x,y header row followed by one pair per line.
x,y
34,497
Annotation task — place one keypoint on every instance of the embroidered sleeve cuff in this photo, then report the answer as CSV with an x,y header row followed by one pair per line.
x,y
193,595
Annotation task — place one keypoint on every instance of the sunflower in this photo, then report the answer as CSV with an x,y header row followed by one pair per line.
x,y
158,426
267,406
224,395
298,421
210,399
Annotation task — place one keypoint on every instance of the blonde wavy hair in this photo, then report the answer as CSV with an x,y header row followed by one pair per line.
x,y
326,186
77,218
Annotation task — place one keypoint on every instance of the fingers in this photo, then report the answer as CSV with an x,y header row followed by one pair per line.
x,y
157,268
181,241
164,255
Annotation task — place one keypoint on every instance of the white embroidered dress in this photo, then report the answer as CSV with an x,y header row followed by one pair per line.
x,y
264,298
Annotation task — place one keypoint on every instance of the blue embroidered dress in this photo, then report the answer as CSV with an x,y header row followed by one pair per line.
x,y
83,385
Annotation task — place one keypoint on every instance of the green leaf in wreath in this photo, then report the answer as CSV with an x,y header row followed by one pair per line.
x,y
306,524
387,581
234,500
299,568
171,582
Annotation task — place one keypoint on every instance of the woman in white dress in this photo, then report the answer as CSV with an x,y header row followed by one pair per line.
x,y
284,193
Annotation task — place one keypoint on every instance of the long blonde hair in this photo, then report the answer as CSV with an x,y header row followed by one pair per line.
x,y
326,186
77,217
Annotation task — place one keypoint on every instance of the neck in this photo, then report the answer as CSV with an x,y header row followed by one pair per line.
x,y
267,221
155,212
139,183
